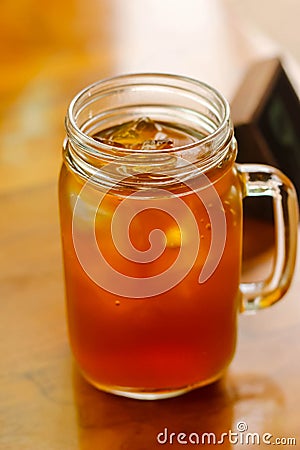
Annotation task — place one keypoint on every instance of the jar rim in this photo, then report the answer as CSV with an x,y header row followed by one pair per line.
x,y
92,146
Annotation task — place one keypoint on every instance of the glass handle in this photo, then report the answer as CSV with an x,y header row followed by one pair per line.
x,y
262,180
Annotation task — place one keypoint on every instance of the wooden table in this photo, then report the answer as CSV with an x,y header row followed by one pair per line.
x,y
50,51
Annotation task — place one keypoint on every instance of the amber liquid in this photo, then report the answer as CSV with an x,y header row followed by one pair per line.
x,y
179,339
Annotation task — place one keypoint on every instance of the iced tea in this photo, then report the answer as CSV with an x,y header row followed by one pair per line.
x,y
174,340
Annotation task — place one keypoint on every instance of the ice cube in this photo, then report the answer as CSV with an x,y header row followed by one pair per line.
x,y
108,142
157,144
161,135
143,127
140,134
174,237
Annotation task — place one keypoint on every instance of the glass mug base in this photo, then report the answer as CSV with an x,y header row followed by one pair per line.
x,y
151,394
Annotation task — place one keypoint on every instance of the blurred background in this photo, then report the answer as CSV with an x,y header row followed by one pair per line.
x,y
277,20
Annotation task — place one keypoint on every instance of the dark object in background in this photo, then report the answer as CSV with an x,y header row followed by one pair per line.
x,y
266,117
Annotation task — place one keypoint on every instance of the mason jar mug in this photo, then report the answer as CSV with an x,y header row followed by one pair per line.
x,y
151,224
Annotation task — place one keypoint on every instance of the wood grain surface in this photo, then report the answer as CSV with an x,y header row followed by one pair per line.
x,y
48,52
